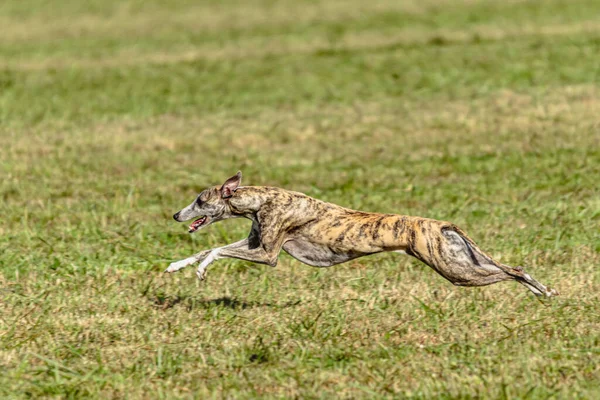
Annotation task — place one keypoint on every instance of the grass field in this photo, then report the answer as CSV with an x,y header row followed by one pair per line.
x,y
114,114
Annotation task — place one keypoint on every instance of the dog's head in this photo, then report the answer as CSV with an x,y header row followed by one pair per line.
x,y
211,205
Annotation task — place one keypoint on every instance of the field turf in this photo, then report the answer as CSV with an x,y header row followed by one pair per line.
x,y
115,114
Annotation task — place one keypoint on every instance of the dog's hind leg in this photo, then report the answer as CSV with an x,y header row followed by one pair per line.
x,y
511,273
460,261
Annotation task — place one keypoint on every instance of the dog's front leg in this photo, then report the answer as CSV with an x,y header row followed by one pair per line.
x,y
176,266
240,250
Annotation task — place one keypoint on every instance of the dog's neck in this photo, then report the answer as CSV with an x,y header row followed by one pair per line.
x,y
247,200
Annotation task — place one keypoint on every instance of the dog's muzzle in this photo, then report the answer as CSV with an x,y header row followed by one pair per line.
x,y
176,216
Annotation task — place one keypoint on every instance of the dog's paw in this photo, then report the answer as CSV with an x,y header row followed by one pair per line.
x,y
201,273
176,266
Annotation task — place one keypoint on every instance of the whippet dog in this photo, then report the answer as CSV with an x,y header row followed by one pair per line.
x,y
322,234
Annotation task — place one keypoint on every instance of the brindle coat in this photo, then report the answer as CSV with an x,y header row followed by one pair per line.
x,y
322,234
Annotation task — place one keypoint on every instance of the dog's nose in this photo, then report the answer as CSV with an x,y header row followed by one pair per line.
x,y
176,216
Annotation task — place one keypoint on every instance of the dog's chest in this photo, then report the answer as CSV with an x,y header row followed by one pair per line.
x,y
316,255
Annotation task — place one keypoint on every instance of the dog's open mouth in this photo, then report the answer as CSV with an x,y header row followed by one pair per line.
x,y
197,224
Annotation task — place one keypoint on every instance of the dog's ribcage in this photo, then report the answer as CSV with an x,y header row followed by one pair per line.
x,y
317,255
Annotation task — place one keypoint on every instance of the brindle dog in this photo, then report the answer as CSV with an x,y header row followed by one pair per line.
x,y
323,234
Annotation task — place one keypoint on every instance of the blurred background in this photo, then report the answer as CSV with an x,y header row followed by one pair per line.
x,y
115,114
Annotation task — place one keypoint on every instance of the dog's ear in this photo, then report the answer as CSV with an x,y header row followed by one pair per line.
x,y
231,185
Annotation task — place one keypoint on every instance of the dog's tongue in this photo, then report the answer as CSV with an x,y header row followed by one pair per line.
x,y
196,224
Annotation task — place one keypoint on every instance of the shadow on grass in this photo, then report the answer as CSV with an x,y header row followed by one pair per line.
x,y
165,302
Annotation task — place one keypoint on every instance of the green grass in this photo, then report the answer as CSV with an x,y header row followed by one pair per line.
x,y
113,115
